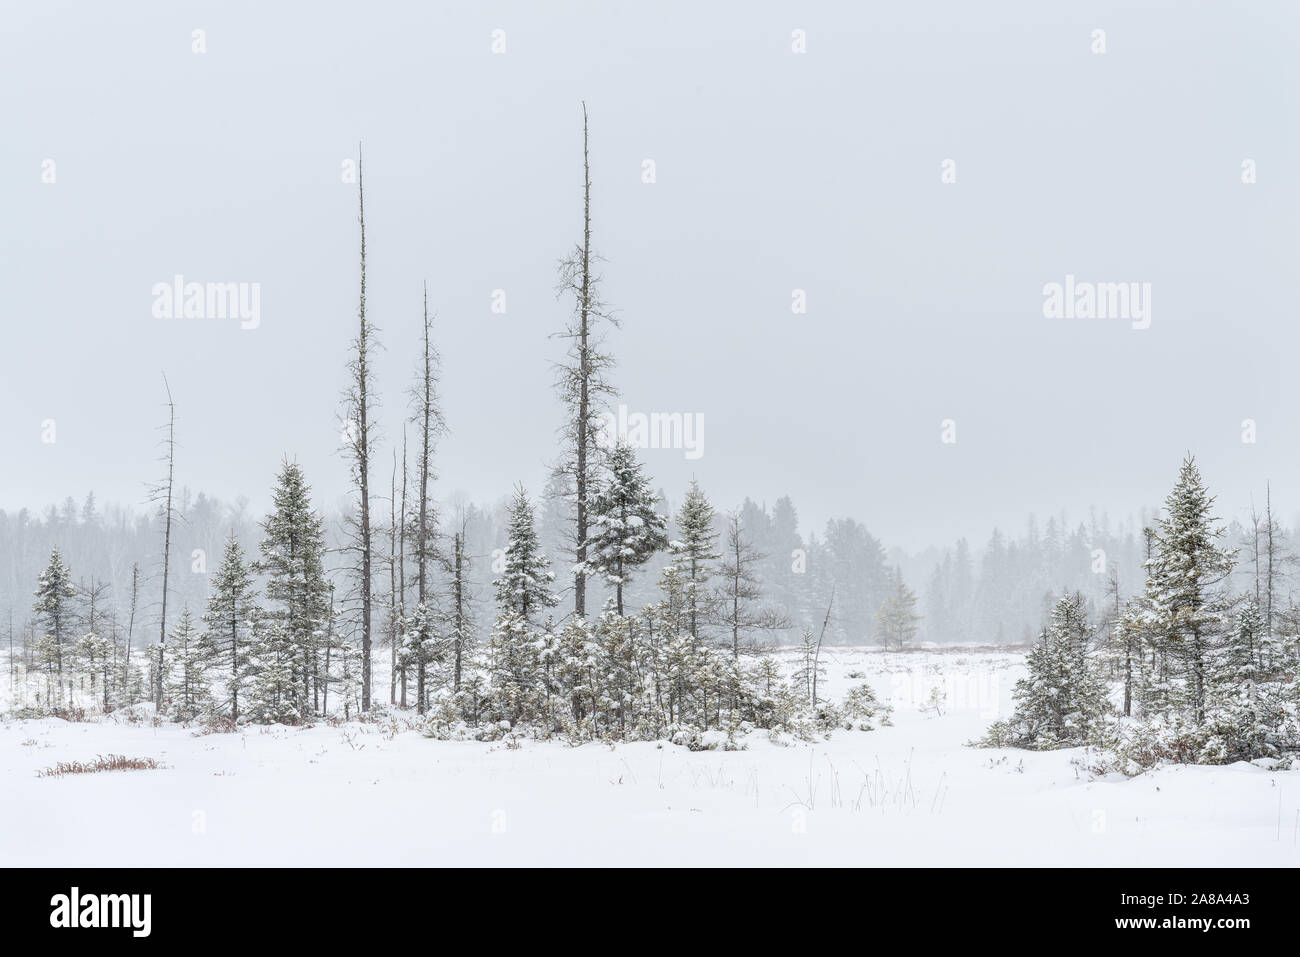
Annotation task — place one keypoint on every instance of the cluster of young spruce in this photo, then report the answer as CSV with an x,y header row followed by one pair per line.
x,y
1185,672
683,668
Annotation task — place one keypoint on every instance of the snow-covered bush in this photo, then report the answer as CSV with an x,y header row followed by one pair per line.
x,y
862,711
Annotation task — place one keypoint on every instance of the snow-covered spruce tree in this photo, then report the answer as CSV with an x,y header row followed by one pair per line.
x,y
462,625
52,615
342,668
576,673
514,665
230,619
694,555
1247,715
129,681
620,671
862,710
1186,585
810,669
297,601
272,693
1062,702
524,585
674,644
188,691
625,528
423,647
897,623
96,653
523,592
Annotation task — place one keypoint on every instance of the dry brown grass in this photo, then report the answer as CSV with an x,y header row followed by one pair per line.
x,y
221,725
102,762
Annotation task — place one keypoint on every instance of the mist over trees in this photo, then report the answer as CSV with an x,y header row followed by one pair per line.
x,y
998,592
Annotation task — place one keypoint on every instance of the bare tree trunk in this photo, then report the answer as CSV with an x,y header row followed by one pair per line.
x,y
459,589
401,556
422,530
584,398
167,542
234,659
394,623
735,588
1268,526
430,420
329,642
130,628
361,451
817,655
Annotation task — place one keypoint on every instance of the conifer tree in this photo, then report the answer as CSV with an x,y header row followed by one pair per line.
x,y
422,648
694,555
189,690
230,619
524,587
897,620
462,628
272,692
1247,713
1185,583
97,652
297,594
626,528
1062,702
52,611
522,593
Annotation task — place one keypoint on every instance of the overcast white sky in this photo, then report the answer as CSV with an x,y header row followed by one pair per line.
x,y
775,171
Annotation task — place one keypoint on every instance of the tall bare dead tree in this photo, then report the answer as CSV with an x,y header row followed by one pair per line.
x,y
1277,556
428,418
130,628
581,379
162,494
394,620
820,638
461,626
359,439
401,557
1268,555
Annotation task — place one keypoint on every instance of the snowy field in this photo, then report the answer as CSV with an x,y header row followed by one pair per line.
x,y
380,794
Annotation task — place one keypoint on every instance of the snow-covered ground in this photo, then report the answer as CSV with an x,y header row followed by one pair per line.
x,y
369,794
